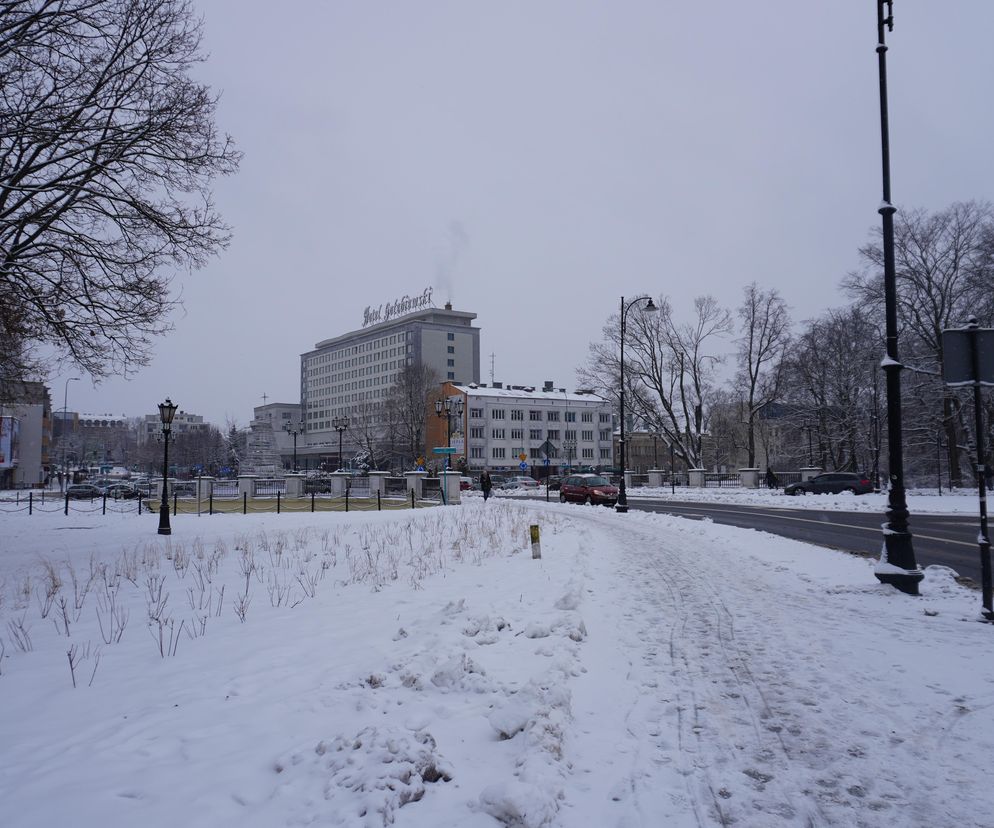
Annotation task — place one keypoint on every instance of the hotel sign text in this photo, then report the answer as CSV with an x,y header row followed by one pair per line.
x,y
406,304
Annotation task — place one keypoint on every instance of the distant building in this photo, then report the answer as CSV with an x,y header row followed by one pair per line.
x,y
501,423
150,426
353,375
282,418
25,434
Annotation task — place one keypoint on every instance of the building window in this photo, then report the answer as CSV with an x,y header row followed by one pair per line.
x,y
476,433
535,453
517,434
535,416
476,413
605,418
588,454
499,452
588,436
605,435
497,414
497,434
517,414
451,375
569,434
450,362
569,416
535,434
476,452
450,336
451,349
587,416
552,434
552,416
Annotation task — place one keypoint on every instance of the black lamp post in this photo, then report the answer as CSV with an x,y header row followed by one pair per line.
x,y
294,429
649,307
340,424
446,409
65,412
898,552
167,410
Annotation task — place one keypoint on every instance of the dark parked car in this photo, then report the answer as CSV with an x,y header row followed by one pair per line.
x,y
555,481
832,483
122,491
83,491
588,488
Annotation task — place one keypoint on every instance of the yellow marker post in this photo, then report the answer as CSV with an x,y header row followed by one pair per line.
x,y
536,545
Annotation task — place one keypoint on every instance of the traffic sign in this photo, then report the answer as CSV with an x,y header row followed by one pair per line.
x,y
546,461
522,457
523,466
444,450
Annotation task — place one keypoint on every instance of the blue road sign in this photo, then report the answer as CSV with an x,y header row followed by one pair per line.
x,y
546,461
523,466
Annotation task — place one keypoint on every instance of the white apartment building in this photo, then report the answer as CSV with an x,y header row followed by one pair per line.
x,y
502,423
352,375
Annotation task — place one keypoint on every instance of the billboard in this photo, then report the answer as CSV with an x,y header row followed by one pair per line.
x,y
10,441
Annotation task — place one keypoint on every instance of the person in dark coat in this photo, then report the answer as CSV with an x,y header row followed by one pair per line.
x,y
771,479
486,484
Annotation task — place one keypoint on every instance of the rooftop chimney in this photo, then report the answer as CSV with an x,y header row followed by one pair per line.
x,y
448,306
548,386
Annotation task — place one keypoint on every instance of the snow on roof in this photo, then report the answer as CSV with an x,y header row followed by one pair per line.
x,y
522,393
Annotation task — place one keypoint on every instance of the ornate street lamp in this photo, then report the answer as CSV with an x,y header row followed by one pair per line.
x,y
897,565
446,409
649,307
340,424
167,410
294,429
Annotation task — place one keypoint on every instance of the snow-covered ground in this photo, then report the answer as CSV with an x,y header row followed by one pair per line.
x,y
422,669
959,501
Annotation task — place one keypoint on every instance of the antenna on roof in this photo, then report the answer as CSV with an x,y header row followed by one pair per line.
x,y
492,357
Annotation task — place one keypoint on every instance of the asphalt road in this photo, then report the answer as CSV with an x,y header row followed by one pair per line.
x,y
950,540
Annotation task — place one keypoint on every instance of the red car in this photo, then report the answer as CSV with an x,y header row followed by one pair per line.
x,y
588,488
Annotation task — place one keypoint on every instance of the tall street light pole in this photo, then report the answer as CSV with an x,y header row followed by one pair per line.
x,y
167,410
445,409
622,504
294,429
340,424
65,411
897,565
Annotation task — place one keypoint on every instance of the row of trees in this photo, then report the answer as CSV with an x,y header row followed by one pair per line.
x,y
812,393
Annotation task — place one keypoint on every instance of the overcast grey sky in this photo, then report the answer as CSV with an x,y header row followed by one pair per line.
x,y
532,161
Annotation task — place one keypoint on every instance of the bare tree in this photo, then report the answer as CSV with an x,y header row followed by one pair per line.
x,y
107,150
945,272
407,407
765,336
669,371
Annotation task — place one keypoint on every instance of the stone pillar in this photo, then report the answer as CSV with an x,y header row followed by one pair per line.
x,y
749,478
377,482
294,485
807,472
246,484
450,480
415,482
656,477
339,480
628,479
695,478
204,485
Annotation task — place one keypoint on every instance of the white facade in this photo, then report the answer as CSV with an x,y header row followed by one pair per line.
x,y
502,423
150,427
353,375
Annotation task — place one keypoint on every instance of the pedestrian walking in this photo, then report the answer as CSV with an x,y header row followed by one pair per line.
x,y
771,479
486,484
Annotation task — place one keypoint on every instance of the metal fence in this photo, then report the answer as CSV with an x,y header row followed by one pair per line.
x,y
270,487
395,486
722,480
639,480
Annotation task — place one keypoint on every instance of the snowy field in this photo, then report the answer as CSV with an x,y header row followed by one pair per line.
x,y
422,669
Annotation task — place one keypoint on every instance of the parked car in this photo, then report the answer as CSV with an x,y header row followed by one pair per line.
x,y
832,483
521,482
466,483
588,488
83,491
555,481
122,491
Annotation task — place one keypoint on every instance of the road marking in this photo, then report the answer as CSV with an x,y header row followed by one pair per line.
x,y
829,522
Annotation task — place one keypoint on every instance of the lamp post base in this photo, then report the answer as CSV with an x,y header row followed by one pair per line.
x,y
897,546
621,507
164,528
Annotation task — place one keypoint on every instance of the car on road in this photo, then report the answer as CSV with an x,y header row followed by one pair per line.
x,y
122,491
554,482
466,483
83,491
521,482
588,488
832,483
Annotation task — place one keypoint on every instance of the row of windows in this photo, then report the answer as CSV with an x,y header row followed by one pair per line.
x,y
537,416
500,453
478,433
